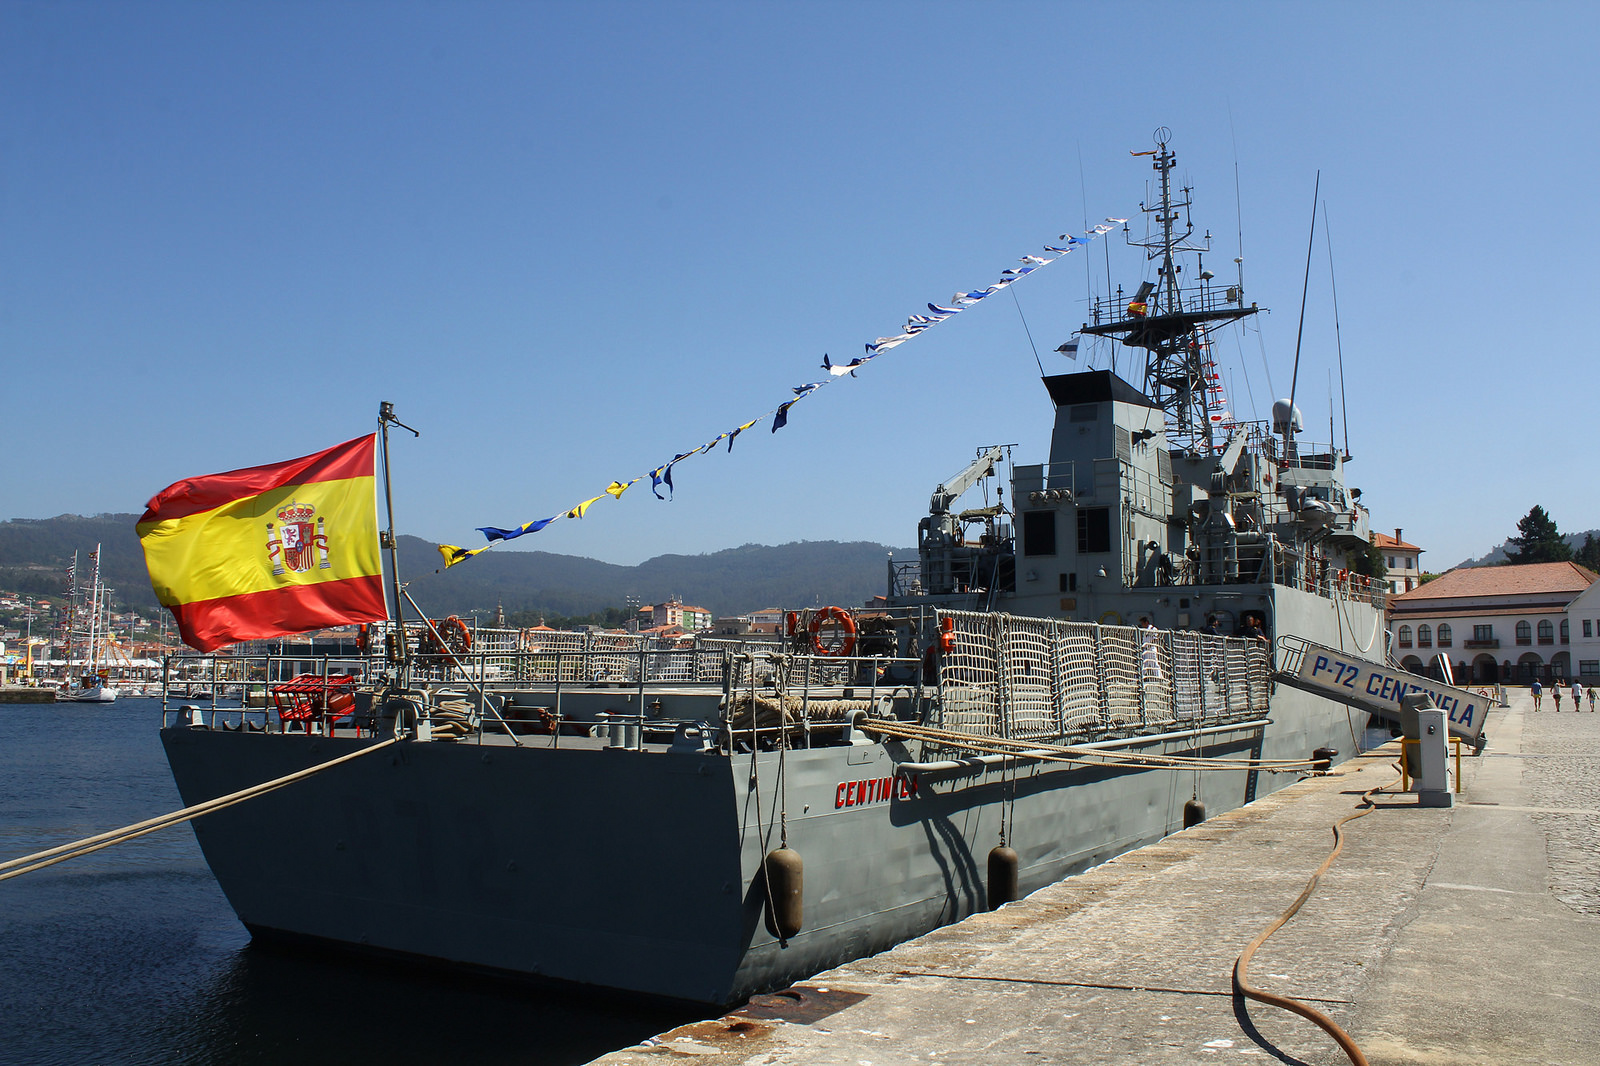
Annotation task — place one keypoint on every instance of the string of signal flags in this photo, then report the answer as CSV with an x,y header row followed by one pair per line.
x,y
661,476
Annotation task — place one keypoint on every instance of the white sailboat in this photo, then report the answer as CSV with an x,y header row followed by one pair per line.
x,y
91,685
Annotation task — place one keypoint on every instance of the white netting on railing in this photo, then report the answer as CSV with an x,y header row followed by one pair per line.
x,y
1188,675
1077,680
1155,675
968,678
543,648
1029,691
1033,678
1119,671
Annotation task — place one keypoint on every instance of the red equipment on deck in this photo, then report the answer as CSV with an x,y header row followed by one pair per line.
x,y
312,696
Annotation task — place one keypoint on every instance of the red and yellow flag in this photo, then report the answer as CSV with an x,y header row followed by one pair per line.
x,y
270,550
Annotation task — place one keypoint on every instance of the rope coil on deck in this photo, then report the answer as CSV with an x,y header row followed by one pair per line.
x,y
50,856
790,710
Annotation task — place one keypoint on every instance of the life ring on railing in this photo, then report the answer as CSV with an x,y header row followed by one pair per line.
x,y
840,620
363,638
1111,618
453,637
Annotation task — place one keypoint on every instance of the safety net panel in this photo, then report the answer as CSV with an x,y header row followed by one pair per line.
x,y
1120,650
1036,678
1188,675
1078,677
1026,655
969,675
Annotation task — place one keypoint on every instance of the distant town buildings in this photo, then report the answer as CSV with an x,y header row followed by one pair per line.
x,y
1499,624
673,612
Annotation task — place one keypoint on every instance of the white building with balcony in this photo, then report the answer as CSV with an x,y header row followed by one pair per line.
x,y
1505,624
1402,560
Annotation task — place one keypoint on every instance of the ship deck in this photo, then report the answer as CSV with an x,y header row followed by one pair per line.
x,y
1407,944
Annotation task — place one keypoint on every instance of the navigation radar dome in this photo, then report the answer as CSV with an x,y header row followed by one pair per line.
x,y
1286,417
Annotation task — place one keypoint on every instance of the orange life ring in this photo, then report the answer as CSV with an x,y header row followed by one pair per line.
x,y
454,638
840,618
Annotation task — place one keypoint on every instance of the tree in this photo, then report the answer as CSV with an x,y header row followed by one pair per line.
x,y
1589,554
1370,563
1538,542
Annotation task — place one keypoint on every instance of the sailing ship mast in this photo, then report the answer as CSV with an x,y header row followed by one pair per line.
x,y
1170,320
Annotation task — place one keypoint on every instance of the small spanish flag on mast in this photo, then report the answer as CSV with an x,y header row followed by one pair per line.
x,y
269,550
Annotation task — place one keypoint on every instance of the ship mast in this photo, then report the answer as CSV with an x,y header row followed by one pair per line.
x,y
1170,320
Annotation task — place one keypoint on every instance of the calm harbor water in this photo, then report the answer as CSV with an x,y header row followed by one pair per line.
x,y
132,955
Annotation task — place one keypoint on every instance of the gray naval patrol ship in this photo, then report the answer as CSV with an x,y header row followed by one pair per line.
x,y
708,818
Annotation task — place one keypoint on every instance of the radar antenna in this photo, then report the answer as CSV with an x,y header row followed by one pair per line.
x,y
1170,320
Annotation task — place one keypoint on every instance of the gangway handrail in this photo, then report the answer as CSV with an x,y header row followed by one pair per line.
x,y
1374,685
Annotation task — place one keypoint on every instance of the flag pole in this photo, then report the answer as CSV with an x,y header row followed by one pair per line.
x,y
385,418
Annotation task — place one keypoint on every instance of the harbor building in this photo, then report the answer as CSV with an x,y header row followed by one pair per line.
x,y
1583,622
1495,624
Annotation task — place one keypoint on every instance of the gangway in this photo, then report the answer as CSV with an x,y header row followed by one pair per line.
x,y
1374,686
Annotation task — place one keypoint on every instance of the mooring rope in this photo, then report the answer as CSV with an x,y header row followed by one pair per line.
x,y
1071,754
51,856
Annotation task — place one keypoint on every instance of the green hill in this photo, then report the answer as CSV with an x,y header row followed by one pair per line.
x,y
34,554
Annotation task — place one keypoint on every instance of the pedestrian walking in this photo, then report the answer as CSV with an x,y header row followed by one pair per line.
x,y
1538,693
1577,697
1591,699
1555,690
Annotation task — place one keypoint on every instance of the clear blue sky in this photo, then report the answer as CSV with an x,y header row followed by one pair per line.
x,y
571,240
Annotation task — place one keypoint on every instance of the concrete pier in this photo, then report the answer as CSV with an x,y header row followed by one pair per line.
x,y
26,694
1441,935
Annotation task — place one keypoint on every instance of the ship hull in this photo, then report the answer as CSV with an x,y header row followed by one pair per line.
x,y
639,871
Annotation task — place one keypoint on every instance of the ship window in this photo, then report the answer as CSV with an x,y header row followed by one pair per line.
x,y
1038,532
1084,412
1094,530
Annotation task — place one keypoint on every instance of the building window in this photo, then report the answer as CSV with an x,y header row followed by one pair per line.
x,y
1586,632
1547,632
1405,636
1094,530
1444,634
1391,563
1038,532
1524,633
1589,667
1566,632
1424,636
1483,633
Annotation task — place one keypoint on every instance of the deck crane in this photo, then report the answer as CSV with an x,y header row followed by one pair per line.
x,y
950,564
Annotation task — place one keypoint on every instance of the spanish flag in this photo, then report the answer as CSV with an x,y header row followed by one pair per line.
x,y
270,550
